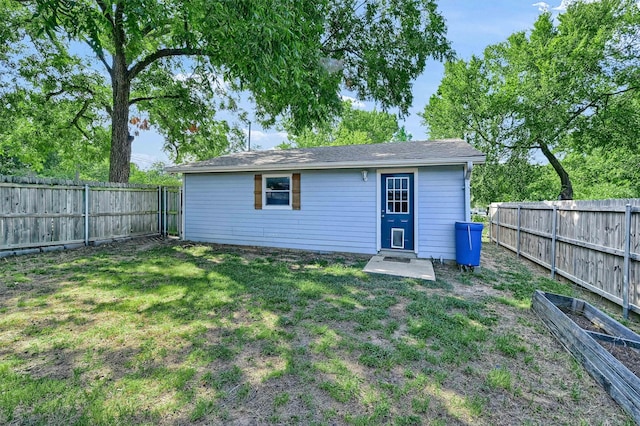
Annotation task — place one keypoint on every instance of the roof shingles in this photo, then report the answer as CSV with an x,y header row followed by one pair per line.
x,y
392,154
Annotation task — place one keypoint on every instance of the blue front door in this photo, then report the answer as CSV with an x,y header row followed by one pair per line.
x,y
397,211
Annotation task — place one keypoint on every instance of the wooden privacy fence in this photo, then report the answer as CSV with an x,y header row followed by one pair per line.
x,y
595,244
47,214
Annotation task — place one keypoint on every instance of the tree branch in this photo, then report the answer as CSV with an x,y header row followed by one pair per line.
x,y
81,130
152,98
162,53
79,115
106,12
594,103
68,89
147,30
50,95
97,49
566,188
474,124
119,36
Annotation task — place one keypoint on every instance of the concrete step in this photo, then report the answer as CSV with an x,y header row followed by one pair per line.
x,y
405,254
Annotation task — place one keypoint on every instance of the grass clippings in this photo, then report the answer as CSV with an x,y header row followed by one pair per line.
x,y
168,332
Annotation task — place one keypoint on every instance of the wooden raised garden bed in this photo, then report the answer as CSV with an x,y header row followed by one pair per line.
x,y
608,350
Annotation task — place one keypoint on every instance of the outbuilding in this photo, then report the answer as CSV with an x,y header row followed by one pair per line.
x,y
401,196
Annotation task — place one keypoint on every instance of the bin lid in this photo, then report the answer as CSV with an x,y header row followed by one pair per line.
x,y
473,226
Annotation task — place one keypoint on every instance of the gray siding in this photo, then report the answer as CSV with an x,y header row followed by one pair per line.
x,y
338,212
440,205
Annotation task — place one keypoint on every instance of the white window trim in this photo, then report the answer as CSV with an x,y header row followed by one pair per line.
x,y
264,192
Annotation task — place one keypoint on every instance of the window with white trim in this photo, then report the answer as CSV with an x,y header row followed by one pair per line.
x,y
276,190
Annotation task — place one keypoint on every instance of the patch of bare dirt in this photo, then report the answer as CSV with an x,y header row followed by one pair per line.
x,y
628,356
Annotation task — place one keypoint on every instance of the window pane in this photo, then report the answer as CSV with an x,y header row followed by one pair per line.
x,y
404,183
278,183
397,207
277,198
405,207
390,207
397,183
404,195
390,183
397,195
389,195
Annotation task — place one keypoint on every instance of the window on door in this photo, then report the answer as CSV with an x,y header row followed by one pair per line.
x,y
398,195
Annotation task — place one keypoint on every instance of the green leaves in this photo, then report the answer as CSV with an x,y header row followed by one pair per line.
x,y
292,58
384,45
353,127
563,86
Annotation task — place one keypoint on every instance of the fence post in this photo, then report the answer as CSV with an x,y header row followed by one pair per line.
x,y
498,226
165,204
490,217
159,209
627,255
554,222
518,234
179,223
86,215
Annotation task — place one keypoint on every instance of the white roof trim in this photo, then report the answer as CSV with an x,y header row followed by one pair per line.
x,y
327,165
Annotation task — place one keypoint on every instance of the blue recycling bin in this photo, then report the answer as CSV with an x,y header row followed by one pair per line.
x,y
468,243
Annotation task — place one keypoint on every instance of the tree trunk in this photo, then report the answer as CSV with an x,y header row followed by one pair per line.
x,y
120,158
566,191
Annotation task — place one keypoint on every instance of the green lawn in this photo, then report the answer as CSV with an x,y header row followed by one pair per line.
x,y
153,332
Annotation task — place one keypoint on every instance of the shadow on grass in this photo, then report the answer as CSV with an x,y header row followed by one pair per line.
x,y
215,334
97,327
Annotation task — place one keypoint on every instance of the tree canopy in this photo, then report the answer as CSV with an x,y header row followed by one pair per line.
x,y
116,66
353,127
568,85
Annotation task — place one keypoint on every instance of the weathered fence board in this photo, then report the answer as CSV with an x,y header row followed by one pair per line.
x,y
48,212
596,244
172,220
116,213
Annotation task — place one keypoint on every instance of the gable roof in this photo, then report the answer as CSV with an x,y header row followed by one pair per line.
x,y
391,154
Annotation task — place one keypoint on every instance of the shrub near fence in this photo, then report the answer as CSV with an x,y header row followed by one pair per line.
x,y
40,213
595,244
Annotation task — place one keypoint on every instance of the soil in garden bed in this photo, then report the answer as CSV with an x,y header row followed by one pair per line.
x,y
629,357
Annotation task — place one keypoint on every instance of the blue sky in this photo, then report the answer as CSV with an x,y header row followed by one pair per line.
x,y
472,25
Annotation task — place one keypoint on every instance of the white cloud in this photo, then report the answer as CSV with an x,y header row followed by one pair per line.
x,y
354,102
258,135
266,140
181,77
332,65
564,4
542,6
